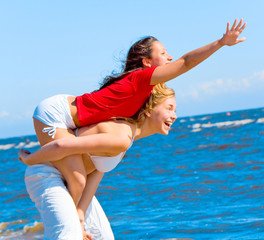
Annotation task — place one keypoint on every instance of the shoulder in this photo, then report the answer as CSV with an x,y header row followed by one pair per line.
x,y
121,130
141,78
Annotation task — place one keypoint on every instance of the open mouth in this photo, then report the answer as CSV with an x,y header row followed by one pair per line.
x,y
168,124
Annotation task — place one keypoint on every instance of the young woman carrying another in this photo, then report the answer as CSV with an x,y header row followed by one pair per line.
x,y
147,64
47,190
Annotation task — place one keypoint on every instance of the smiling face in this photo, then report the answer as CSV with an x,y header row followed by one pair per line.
x,y
162,116
159,56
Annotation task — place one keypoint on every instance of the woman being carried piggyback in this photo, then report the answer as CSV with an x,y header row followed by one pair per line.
x,y
44,183
147,64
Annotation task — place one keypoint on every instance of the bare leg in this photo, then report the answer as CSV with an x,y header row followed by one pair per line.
x,y
71,167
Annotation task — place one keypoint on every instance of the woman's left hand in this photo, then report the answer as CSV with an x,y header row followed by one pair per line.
x,y
22,155
230,38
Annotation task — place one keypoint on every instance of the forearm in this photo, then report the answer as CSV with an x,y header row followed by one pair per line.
x,y
92,183
197,56
188,61
49,152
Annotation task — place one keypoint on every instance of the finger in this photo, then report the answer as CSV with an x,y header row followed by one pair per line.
x,y
227,27
243,27
22,150
239,24
234,25
90,237
241,40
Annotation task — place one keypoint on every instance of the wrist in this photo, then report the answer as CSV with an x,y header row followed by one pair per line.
x,y
220,42
80,213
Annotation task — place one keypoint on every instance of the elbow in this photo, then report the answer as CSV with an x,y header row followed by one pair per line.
x,y
59,148
124,145
58,144
189,62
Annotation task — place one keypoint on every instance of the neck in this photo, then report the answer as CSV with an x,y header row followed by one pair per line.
x,y
143,131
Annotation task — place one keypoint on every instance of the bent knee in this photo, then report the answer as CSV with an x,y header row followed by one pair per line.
x,y
77,183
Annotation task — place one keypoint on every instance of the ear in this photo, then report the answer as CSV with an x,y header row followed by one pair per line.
x,y
146,62
148,114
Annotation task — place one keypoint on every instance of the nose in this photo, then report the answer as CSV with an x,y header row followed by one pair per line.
x,y
169,57
174,116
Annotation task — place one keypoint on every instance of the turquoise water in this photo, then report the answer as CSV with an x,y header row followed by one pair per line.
x,y
203,181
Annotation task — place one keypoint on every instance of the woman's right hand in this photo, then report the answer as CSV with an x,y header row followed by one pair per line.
x,y
86,236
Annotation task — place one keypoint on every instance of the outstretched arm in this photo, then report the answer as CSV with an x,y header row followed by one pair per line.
x,y
60,148
190,60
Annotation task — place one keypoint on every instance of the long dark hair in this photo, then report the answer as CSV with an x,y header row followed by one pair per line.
x,y
139,50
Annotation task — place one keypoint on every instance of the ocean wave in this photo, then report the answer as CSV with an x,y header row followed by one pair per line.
x,y
7,146
27,232
37,227
260,120
19,145
198,126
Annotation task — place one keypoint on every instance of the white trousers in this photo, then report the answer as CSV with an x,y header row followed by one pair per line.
x,y
46,188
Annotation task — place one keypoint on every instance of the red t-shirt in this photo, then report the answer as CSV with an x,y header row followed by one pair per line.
x,y
123,98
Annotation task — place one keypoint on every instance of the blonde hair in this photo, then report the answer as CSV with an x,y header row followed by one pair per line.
x,y
158,95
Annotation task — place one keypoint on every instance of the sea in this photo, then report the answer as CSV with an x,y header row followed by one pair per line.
x,y
205,180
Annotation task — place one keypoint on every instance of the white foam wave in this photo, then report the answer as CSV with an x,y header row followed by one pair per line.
x,y
37,227
197,126
20,145
31,144
7,146
34,231
197,130
260,120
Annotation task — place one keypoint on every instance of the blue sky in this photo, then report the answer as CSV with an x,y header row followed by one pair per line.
x,y
52,47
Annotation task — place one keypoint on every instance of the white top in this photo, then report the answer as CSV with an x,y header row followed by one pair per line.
x,y
105,163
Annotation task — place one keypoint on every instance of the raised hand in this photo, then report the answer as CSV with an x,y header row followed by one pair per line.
x,y
230,37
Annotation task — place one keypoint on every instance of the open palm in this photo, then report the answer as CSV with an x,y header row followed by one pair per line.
x,y
230,37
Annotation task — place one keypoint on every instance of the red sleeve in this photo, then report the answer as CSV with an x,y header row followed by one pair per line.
x,y
141,79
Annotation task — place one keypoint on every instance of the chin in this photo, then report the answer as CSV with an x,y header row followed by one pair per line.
x,y
164,132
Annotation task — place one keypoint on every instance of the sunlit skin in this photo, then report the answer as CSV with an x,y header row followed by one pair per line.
x,y
160,121
163,116
159,55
